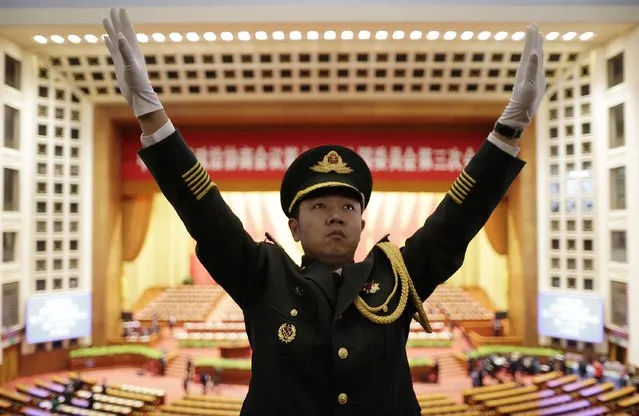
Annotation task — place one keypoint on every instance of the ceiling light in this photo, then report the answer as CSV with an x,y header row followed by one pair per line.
x,y
364,35
175,37
450,35
244,36
330,35
518,36
312,35
501,35
192,37
552,35
57,39
569,36
295,35
467,35
74,38
91,38
432,35
226,36
261,35
586,36
415,35
278,35
398,35
485,35
381,35
347,35
142,38
158,37
40,39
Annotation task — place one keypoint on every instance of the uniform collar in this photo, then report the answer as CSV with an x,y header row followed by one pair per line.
x,y
308,260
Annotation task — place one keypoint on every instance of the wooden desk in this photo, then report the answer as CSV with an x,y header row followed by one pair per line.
x,y
629,402
480,398
578,385
487,389
544,378
538,395
537,404
595,411
598,389
616,394
561,381
559,410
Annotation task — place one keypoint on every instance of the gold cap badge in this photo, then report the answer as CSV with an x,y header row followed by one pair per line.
x,y
286,333
332,162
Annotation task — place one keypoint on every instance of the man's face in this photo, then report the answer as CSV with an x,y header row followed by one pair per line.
x,y
329,227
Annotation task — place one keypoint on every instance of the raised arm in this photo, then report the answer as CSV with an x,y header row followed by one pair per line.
x,y
437,250
225,249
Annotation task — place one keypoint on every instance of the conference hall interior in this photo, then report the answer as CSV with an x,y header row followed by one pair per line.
x,y
105,307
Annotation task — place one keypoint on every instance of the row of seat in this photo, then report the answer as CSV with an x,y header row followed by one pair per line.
x,y
193,405
553,394
457,304
91,399
182,304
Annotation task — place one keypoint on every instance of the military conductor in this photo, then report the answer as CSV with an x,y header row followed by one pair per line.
x,y
328,336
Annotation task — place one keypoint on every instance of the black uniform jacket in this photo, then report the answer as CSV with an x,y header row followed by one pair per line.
x,y
313,352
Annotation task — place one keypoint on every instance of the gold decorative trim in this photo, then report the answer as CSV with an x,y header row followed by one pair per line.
x,y
332,162
301,194
198,181
407,290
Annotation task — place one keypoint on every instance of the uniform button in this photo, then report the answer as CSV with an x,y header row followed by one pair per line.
x,y
343,353
342,398
293,312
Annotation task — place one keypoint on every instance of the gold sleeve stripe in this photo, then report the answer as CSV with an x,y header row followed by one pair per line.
x,y
460,188
452,195
459,195
198,181
190,171
464,186
193,174
467,177
204,191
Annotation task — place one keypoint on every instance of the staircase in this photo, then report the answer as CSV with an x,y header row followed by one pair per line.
x,y
177,367
449,367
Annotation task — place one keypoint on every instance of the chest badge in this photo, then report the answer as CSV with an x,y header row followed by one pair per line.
x,y
371,287
286,332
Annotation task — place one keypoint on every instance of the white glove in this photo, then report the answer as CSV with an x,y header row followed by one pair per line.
x,y
130,68
530,83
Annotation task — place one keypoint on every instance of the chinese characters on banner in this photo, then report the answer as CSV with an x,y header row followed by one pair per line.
x,y
265,154
378,158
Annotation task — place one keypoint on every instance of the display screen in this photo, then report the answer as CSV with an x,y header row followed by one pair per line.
x,y
571,316
58,317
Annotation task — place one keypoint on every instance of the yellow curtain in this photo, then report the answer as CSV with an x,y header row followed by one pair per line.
x,y
136,216
497,228
166,254
164,258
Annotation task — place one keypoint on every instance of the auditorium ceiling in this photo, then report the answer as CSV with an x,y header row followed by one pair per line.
x,y
333,60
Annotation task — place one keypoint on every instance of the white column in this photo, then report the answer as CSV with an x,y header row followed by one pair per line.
x,y
631,117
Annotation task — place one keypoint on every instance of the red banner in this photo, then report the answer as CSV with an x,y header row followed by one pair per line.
x,y
250,153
